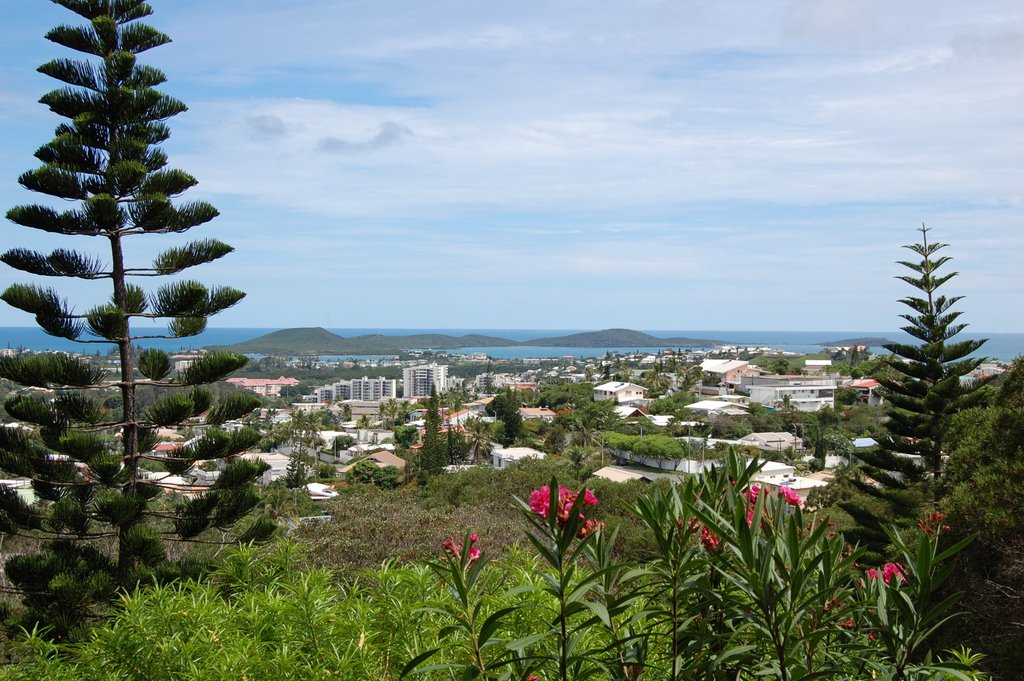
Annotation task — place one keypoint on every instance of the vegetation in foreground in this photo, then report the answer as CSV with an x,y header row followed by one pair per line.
x,y
742,585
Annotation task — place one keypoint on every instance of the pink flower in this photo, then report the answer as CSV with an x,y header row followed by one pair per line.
x,y
539,500
454,548
589,528
792,498
890,570
708,539
752,494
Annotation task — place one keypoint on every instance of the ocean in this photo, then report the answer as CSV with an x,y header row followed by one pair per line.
x,y
1000,346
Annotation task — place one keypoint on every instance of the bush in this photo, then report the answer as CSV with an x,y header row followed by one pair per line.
x,y
742,584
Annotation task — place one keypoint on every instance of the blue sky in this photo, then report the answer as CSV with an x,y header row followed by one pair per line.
x,y
570,164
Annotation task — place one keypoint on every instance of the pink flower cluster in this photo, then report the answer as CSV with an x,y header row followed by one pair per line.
x,y
454,548
752,494
889,570
709,540
792,498
540,503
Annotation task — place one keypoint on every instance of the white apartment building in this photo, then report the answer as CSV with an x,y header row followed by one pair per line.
x,y
418,380
365,388
373,389
335,392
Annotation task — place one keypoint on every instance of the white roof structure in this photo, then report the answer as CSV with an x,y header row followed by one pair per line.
x,y
616,386
320,491
660,419
721,366
628,412
800,485
618,474
502,457
517,453
773,441
717,406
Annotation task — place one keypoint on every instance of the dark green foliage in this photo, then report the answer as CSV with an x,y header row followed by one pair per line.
x,y
434,450
297,473
231,407
983,498
50,370
368,473
505,407
82,458
923,390
154,364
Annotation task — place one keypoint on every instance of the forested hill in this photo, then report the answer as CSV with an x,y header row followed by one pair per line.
x,y
866,341
319,341
618,338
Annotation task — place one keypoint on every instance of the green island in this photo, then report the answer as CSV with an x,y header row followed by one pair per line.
x,y
318,341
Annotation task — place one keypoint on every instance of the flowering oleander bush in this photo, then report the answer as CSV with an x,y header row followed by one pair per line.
x,y
742,584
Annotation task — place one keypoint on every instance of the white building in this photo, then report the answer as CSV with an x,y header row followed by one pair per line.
x,y
365,388
503,457
373,388
800,392
773,442
335,392
620,392
418,380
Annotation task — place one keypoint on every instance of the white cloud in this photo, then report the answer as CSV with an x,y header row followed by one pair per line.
x,y
769,143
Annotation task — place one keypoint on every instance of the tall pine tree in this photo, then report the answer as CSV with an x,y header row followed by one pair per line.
x,y
434,450
94,512
923,387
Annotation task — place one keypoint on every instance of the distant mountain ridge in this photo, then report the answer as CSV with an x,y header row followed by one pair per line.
x,y
320,341
618,338
866,341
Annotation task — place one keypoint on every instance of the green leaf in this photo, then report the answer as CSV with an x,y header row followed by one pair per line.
x,y
415,662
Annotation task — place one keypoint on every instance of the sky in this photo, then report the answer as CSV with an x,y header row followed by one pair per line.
x,y
573,165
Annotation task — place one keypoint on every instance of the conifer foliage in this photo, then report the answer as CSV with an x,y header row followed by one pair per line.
x,y
923,388
94,515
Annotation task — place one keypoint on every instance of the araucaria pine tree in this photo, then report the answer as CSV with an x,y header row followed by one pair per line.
x,y
96,519
433,450
923,387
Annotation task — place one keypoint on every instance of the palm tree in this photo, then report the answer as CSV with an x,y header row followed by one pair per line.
x,y
389,411
656,379
478,437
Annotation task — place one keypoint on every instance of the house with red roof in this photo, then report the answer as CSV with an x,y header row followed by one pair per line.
x,y
867,390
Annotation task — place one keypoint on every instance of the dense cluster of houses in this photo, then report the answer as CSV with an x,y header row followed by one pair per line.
x,y
727,386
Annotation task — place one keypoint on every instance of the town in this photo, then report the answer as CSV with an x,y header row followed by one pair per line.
x,y
634,416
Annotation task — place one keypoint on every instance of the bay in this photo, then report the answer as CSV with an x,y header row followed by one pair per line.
x,y
1000,346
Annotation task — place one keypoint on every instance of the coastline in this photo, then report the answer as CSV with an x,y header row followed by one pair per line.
x,y
1002,347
